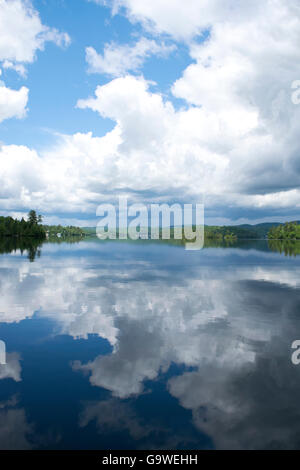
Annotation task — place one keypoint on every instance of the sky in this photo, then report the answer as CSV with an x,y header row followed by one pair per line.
x,y
161,101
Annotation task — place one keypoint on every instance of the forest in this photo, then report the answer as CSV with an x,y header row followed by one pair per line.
x,y
32,227
287,231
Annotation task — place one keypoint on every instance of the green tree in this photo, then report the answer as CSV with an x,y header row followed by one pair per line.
x,y
32,217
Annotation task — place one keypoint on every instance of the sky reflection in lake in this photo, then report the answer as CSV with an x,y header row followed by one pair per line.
x,y
141,345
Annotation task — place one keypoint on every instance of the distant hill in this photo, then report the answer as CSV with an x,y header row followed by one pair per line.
x,y
89,230
261,230
258,231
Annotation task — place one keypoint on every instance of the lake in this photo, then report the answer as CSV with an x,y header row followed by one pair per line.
x,y
144,345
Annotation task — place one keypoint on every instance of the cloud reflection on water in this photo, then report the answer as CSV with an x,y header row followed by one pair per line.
x,y
230,321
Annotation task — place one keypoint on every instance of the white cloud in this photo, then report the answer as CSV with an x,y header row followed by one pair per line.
x,y
118,59
236,139
151,148
22,34
13,102
239,92
182,20
19,68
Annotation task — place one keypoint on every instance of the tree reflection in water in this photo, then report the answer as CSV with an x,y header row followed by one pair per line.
x,y
30,246
287,247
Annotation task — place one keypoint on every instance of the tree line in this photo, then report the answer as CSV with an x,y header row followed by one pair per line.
x,y
287,231
69,231
23,228
33,228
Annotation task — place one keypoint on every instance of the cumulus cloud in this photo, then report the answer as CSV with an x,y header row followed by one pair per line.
x,y
118,59
238,93
13,102
235,139
182,20
141,153
22,33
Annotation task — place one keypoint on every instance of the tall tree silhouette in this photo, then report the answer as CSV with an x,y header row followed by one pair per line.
x,y
32,217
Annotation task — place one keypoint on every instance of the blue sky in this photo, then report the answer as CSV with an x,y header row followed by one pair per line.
x,y
162,101
58,78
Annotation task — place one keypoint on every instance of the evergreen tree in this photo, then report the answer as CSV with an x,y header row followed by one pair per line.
x,y
32,217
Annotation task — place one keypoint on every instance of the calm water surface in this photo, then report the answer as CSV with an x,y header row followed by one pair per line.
x,y
142,345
